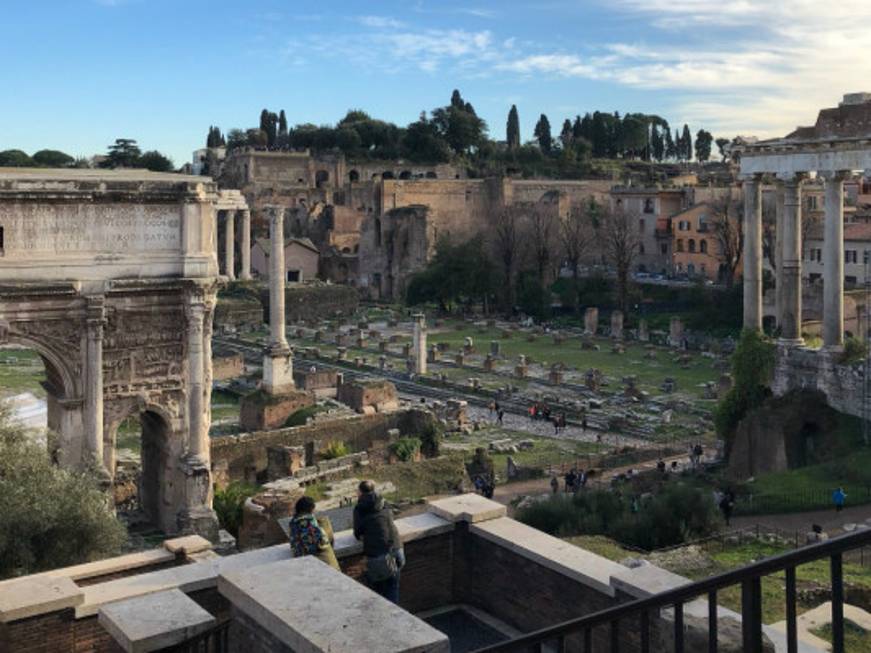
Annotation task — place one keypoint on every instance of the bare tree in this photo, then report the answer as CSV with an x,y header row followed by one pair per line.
x,y
621,243
577,237
506,242
727,226
541,228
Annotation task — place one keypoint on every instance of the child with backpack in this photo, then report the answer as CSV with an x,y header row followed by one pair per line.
x,y
310,535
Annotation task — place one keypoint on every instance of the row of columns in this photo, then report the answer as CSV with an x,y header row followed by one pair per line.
x,y
788,255
244,243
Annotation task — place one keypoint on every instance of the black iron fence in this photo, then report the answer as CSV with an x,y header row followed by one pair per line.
x,y
637,613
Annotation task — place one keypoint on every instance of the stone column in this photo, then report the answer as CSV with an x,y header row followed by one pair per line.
x,y
277,360
790,274
778,250
230,245
197,444
752,254
833,262
245,244
419,343
95,314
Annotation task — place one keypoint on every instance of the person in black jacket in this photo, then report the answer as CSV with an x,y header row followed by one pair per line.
x,y
373,524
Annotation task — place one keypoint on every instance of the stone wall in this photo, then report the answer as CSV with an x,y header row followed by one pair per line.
x,y
360,433
316,301
368,396
227,367
799,368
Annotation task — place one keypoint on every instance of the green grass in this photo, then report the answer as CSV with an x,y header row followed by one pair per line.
x,y
773,594
21,370
428,477
856,638
811,487
603,546
546,452
299,417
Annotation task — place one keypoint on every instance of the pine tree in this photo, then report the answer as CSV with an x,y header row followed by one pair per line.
x,y
577,128
542,133
264,121
512,129
566,135
282,124
670,147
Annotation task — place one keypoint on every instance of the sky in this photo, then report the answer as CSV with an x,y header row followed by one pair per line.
x,y
77,74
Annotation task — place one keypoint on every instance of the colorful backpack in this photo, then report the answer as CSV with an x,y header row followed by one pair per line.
x,y
306,536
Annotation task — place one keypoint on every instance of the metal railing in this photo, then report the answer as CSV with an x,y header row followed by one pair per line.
x,y
556,637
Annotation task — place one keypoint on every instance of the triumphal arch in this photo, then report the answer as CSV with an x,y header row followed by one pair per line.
x,y
112,278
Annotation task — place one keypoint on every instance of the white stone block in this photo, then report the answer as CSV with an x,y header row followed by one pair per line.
x,y
154,622
470,508
32,596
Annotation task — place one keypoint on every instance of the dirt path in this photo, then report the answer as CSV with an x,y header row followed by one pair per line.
x,y
831,521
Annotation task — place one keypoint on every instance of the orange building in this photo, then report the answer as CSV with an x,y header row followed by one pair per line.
x,y
696,248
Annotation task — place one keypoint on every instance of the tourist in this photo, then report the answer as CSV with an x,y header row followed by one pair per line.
x,y
554,484
533,412
838,498
584,428
660,466
373,524
582,480
555,422
570,480
491,407
310,535
727,502
499,415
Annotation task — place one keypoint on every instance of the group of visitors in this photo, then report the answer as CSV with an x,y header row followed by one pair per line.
x,y
373,524
539,410
575,480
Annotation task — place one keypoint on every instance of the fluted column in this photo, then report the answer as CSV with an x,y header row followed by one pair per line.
x,y
230,245
778,251
833,262
196,377
95,315
245,244
791,273
752,254
276,279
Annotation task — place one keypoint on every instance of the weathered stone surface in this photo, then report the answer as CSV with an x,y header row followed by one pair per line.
x,y
154,622
34,595
470,508
343,615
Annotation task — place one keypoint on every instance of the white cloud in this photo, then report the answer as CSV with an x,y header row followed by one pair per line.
x,y
380,22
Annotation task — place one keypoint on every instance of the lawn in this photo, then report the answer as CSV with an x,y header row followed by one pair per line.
x,y
603,546
811,487
856,638
418,480
773,593
21,370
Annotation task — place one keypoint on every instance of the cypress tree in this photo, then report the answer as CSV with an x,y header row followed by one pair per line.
x,y
542,133
282,124
566,135
512,129
687,140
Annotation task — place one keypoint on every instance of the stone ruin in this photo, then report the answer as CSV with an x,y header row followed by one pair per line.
x,y
643,332
593,378
675,333
669,385
433,354
468,346
557,374
368,396
495,348
617,325
453,413
591,321
489,363
521,369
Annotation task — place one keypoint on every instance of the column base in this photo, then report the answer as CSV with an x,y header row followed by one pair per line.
x,y
277,370
199,521
245,277
197,516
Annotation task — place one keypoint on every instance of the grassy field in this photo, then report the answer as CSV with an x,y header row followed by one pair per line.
x,y
21,370
856,638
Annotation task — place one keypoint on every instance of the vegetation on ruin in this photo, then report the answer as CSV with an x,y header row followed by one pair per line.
x,y
752,367
333,449
855,351
301,416
677,513
228,503
49,517
856,638
405,448
431,438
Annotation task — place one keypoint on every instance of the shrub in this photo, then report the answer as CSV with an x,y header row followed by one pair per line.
x,y
854,351
49,517
752,367
431,438
300,417
678,513
405,448
334,449
228,505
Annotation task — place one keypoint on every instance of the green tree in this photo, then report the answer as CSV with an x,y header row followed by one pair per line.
x,y
752,368
124,153
236,138
670,145
657,144
703,145
155,161
423,143
53,159
458,273
282,125
49,517
567,135
15,159
686,143
459,125
512,129
543,135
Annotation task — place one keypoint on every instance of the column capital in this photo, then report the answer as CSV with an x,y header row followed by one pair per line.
x,y
752,177
792,178
834,175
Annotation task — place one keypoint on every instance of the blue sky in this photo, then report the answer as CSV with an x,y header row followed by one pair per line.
x,y
78,73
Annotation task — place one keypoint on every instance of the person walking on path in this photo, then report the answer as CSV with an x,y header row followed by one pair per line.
x,y
554,484
310,535
838,498
385,558
499,415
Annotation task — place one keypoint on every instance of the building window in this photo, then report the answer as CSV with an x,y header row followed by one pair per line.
x,y
850,281
679,247
691,244
850,256
641,225
293,276
648,205
703,246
